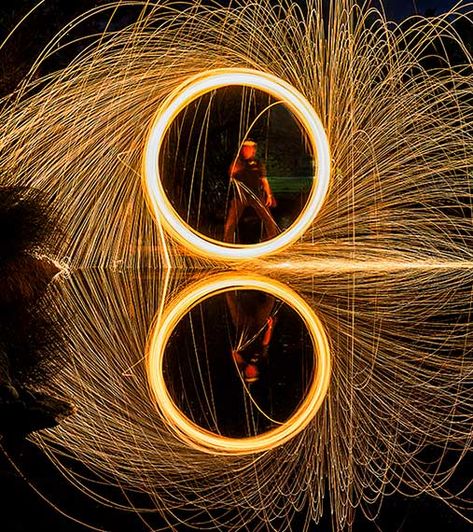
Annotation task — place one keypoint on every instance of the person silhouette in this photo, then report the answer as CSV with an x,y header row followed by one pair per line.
x,y
252,315
251,190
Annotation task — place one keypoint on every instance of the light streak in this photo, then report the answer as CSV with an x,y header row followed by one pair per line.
x,y
189,91
189,431
401,368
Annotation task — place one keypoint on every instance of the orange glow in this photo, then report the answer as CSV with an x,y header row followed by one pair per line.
x,y
190,432
182,96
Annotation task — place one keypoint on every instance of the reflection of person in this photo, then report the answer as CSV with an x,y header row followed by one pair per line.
x,y
252,315
252,190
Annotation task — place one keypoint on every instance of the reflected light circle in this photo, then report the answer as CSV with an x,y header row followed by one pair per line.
x,y
205,440
196,86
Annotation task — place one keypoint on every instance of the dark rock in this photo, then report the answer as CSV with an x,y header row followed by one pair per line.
x,y
31,411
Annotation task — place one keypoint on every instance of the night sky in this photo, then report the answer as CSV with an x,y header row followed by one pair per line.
x,y
399,9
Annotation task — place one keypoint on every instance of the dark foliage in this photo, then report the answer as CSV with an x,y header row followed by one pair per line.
x,y
29,333
24,223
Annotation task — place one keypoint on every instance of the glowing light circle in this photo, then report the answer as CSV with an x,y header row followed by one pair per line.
x,y
200,438
196,86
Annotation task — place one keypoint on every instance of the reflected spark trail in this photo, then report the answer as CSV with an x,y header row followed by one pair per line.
x,y
401,365
387,264
189,431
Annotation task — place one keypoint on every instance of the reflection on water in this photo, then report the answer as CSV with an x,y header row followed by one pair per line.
x,y
400,373
252,328
239,363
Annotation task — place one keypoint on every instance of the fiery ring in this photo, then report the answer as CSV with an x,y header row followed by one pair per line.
x,y
183,95
191,433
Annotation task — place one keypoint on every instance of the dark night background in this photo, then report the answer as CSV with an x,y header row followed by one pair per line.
x,y
22,509
281,386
